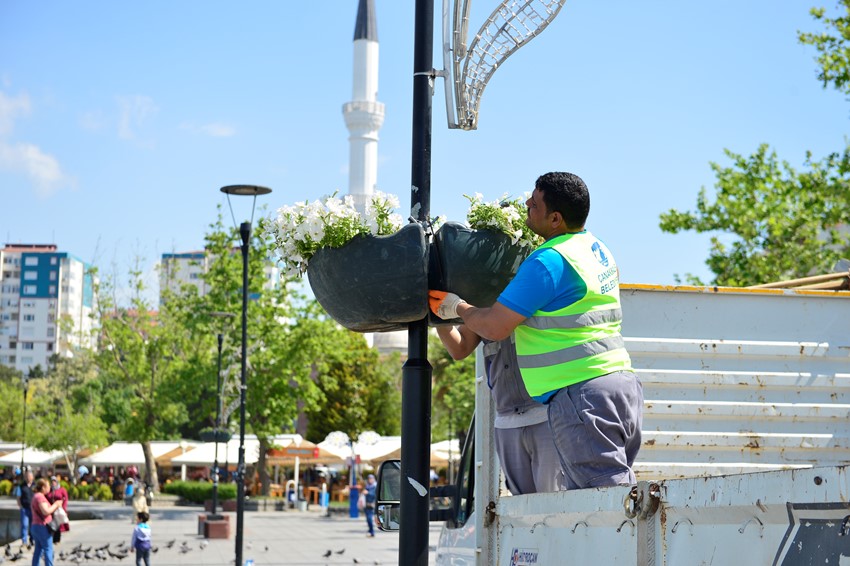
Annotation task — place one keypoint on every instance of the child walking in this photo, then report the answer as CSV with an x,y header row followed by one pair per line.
x,y
141,540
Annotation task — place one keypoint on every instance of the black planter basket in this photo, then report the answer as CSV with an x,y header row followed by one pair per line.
x,y
476,265
374,283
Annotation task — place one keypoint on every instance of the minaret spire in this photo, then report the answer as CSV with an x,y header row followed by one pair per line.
x,y
364,115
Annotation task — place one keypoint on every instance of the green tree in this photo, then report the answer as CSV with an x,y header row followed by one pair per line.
x,y
784,223
833,46
278,374
769,221
360,387
11,404
141,354
453,392
65,414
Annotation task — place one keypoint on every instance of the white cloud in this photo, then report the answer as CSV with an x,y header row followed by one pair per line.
x,y
213,130
135,111
10,109
92,120
41,168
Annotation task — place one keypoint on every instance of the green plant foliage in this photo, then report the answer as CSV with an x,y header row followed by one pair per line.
x,y
198,492
5,487
775,222
833,46
361,389
102,492
453,392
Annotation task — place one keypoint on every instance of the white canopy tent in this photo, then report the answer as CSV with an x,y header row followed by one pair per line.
x,y
366,452
131,454
204,454
6,447
32,457
443,453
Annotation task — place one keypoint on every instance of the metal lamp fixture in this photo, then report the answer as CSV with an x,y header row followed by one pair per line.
x,y
245,234
217,436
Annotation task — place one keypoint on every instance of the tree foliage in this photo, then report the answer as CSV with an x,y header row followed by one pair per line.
x,y
65,412
11,404
785,223
768,221
360,389
141,354
453,392
833,47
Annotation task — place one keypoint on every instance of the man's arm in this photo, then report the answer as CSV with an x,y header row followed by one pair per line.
x,y
494,323
458,340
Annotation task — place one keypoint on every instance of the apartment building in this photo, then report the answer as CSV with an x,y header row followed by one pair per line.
x,y
188,268
46,305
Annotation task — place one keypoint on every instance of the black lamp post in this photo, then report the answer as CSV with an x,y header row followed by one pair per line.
x,y
217,432
245,234
416,371
25,381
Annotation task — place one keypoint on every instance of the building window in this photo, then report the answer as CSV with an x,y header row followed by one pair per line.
x,y
50,346
50,332
26,346
51,290
53,260
51,317
12,345
31,260
26,360
28,304
53,275
30,275
29,290
29,317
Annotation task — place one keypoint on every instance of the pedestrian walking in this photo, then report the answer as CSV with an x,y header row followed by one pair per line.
x,y
141,539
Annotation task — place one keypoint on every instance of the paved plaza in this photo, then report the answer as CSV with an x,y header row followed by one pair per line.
x,y
271,537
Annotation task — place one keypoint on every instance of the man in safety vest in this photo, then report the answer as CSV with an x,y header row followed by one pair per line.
x,y
563,306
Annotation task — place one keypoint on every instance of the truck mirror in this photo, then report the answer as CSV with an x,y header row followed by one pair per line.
x,y
388,504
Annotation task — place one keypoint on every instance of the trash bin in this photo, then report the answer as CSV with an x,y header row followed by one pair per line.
x,y
353,496
302,504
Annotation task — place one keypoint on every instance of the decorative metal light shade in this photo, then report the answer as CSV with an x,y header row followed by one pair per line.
x,y
246,190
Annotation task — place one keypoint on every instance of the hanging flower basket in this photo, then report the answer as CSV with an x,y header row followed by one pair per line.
x,y
476,265
374,283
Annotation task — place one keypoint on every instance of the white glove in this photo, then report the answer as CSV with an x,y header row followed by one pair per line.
x,y
444,304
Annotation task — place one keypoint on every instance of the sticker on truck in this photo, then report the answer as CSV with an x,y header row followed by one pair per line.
x,y
523,556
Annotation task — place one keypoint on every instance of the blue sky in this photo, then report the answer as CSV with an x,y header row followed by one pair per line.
x,y
119,121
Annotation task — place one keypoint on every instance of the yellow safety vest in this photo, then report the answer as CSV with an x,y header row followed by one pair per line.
x,y
580,341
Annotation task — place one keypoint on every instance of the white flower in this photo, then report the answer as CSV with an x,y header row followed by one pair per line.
x,y
304,228
504,215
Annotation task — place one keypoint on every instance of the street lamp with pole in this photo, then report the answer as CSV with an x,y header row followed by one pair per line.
x,y
245,234
217,436
25,381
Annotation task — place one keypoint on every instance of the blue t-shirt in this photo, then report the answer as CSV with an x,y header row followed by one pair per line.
x,y
546,282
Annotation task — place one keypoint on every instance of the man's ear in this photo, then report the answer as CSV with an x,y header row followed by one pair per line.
x,y
556,220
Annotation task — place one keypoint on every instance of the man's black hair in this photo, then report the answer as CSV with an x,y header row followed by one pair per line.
x,y
565,193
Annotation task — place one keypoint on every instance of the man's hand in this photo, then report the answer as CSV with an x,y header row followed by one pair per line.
x,y
444,304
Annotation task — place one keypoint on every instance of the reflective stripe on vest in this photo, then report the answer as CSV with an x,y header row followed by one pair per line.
x,y
582,340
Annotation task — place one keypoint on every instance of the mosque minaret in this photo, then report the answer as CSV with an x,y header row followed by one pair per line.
x,y
364,115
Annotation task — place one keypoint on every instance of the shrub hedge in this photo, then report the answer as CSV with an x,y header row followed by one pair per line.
x,y
5,487
198,491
